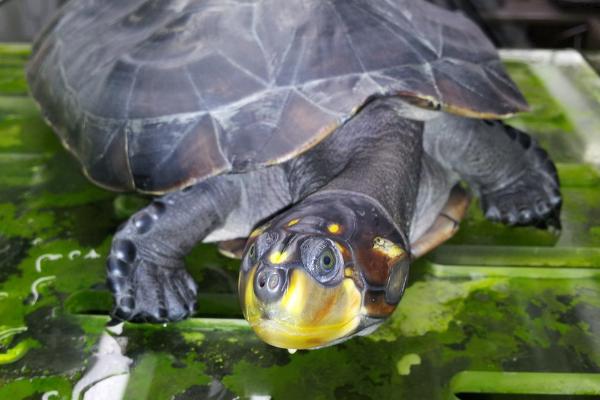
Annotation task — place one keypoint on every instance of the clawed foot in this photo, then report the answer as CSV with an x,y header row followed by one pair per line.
x,y
146,292
532,199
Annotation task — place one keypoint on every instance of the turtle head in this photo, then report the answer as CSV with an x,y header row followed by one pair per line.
x,y
322,272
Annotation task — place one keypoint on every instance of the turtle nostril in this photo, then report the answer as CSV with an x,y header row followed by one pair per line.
x,y
269,284
262,279
273,281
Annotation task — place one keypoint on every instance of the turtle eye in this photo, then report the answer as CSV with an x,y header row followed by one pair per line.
x,y
250,258
252,253
322,261
262,243
327,261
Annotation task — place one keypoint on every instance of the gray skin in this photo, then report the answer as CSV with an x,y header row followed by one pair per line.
x,y
403,158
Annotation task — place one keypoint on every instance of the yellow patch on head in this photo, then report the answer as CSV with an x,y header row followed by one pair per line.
x,y
334,228
387,247
293,300
249,299
278,257
293,222
258,231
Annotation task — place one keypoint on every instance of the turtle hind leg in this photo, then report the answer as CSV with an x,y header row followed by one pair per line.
x,y
531,196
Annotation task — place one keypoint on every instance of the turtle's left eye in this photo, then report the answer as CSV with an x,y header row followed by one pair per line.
x,y
327,261
322,259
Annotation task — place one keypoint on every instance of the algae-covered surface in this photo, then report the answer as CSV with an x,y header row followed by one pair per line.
x,y
497,310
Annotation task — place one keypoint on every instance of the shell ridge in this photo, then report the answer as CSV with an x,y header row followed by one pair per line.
x,y
253,97
217,129
174,145
385,23
132,86
201,101
316,104
275,125
110,137
282,107
241,68
462,83
299,59
428,68
260,44
500,76
509,97
348,37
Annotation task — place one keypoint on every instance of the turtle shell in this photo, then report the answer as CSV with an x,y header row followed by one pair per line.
x,y
155,95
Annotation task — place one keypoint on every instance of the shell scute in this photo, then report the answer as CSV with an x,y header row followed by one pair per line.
x,y
189,147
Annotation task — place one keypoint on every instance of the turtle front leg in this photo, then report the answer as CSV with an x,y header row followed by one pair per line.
x,y
515,178
146,272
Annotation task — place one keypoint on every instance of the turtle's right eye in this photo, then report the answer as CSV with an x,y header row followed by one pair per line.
x,y
258,248
252,253
250,257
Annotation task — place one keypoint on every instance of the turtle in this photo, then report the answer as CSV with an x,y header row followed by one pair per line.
x,y
324,142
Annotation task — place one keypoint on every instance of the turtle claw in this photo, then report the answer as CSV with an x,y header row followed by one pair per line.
x,y
533,199
530,198
151,293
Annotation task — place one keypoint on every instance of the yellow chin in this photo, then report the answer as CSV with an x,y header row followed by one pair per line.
x,y
308,315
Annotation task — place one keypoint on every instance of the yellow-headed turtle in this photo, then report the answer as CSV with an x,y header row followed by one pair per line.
x,y
345,124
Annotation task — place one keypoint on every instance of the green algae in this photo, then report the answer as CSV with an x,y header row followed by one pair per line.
x,y
194,338
12,69
319,372
11,137
12,78
431,307
523,383
59,388
127,204
407,362
578,175
510,261
15,51
17,352
28,224
167,380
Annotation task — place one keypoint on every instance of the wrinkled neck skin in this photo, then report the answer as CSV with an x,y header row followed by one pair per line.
x,y
377,154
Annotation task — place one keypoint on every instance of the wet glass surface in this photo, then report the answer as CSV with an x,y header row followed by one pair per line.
x,y
492,299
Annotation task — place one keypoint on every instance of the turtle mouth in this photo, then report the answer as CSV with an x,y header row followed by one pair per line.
x,y
279,333
308,315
